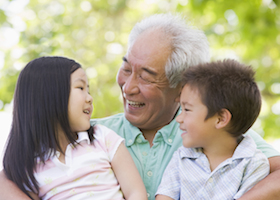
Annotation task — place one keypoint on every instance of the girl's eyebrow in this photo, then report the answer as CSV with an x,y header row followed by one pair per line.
x,y
82,80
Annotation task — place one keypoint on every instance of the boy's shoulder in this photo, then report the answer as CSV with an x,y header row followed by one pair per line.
x,y
247,148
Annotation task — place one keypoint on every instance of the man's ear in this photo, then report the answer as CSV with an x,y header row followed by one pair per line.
x,y
223,119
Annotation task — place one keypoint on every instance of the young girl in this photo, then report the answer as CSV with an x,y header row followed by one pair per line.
x,y
50,154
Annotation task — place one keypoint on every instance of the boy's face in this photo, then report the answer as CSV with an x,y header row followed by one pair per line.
x,y
197,132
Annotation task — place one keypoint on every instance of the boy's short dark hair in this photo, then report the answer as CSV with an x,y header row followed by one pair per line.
x,y
227,84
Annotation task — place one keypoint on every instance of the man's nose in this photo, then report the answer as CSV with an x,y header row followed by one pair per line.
x,y
131,85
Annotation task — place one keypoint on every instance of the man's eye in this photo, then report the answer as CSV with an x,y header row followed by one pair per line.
x,y
127,70
147,79
144,79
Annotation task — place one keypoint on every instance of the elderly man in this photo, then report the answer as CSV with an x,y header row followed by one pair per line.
x,y
160,48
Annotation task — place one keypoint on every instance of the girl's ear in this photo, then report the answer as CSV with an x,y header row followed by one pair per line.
x,y
223,118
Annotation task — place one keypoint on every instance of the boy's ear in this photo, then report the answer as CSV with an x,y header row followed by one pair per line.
x,y
223,118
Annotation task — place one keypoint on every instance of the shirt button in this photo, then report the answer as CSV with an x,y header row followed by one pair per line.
x,y
139,140
170,140
130,141
150,173
148,195
144,153
210,180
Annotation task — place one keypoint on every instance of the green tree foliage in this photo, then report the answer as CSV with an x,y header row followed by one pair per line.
x,y
95,33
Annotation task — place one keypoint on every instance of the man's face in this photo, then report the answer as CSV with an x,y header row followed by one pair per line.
x,y
149,102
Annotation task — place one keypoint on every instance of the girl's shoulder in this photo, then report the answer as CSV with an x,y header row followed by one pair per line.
x,y
101,131
106,139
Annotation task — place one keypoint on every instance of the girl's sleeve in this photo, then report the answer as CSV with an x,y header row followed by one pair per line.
x,y
112,141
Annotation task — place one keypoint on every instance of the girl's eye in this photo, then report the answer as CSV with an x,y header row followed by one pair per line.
x,y
81,88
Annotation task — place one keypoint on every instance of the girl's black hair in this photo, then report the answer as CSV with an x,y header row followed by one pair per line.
x,y
40,106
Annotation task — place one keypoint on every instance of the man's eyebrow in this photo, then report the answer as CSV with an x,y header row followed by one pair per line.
x,y
149,71
143,68
124,59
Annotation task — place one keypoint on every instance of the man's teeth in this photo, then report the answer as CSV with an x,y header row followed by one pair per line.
x,y
86,111
135,104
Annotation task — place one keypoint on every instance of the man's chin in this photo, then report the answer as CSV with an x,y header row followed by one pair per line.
x,y
132,118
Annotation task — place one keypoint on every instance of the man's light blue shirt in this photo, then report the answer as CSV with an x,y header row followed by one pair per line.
x,y
152,161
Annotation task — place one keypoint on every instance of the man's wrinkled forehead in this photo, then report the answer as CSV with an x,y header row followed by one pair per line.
x,y
149,47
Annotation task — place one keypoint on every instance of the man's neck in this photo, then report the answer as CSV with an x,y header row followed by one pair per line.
x,y
149,135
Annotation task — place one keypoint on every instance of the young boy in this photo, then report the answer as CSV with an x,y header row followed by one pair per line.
x,y
220,101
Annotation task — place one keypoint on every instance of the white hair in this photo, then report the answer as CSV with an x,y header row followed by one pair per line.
x,y
189,45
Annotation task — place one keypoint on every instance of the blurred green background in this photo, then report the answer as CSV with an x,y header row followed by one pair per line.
x,y
95,34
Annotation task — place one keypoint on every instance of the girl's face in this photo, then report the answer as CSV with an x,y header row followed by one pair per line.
x,y
80,102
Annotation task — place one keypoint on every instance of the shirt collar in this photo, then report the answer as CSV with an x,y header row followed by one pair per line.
x,y
131,132
190,152
246,148
168,132
83,136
